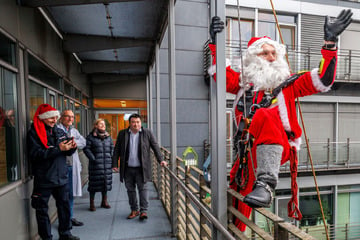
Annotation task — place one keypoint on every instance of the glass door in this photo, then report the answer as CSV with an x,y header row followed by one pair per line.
x,y
115,120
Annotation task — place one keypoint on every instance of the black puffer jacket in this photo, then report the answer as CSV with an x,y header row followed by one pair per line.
x,y
99,151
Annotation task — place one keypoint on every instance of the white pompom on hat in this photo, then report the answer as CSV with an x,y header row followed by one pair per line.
x,y
44,111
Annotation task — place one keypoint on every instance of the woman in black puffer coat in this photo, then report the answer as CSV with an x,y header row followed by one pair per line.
x,y
99,149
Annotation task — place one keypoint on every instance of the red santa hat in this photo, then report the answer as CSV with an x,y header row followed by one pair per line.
x,y
255,44
44,111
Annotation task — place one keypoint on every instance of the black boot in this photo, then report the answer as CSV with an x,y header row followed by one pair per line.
x,y
268,159
261,196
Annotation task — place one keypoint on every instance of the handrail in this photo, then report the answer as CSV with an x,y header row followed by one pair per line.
x,y
203,209
193,208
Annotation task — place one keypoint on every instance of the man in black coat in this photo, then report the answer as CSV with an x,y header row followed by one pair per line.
x,y
133,147
48,147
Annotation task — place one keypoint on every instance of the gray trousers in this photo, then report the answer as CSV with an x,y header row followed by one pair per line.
x,y
133,179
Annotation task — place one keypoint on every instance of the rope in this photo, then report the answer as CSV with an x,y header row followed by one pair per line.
x,y
305,135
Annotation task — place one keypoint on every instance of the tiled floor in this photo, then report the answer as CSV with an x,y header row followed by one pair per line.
x,y
112,224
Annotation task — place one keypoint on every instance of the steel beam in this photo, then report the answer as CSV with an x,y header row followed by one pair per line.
x,y
76,43
172,91
218,148
108,66
50,3
109,77
157,76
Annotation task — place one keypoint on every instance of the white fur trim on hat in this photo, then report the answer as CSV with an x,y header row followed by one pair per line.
x,y
317,81
255,47
49,114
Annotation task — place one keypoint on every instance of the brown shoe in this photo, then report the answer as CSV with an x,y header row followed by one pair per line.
x,y
104,203
143,216
133,214
92,205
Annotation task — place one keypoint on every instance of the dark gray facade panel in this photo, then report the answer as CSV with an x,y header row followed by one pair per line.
x,y
187,62
192,111
187,87
192,87
190,38
191,13
185,137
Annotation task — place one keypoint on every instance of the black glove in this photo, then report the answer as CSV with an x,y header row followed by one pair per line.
x,y
333,28
216,26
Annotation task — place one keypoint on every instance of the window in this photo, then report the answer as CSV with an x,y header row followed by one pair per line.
x,y
60,102
77,95
37,95
7,50
267,27
9,129
84,100
38,70
77,112
68,89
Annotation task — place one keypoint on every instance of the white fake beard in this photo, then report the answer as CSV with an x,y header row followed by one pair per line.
x,y
264,75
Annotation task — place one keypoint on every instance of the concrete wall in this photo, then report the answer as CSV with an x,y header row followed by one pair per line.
x,y
29,27
192,105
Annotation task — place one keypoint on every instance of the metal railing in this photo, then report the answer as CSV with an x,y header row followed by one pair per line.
x,y
348,67
328,156
193,207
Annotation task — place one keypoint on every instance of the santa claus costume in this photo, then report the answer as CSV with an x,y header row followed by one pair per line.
x,y
274,128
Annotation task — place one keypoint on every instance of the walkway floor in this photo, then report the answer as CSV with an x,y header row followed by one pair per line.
x,y
111,224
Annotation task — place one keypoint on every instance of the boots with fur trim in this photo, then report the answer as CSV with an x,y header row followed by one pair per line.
x,y
268,165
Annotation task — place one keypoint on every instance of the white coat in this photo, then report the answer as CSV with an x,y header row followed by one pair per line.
x,y
81,143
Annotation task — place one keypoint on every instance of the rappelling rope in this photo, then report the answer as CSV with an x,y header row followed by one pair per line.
x,y
305,135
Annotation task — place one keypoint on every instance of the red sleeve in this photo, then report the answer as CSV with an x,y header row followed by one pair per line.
x,y
232,77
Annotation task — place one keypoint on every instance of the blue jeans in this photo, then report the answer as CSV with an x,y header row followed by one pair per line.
x,y
71,195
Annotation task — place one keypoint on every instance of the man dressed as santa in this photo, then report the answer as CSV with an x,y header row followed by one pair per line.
x,y
269,108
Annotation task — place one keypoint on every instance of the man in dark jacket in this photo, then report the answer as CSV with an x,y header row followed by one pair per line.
x,y
133,147
48,147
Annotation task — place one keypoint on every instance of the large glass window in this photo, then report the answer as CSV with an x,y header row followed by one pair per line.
x,y
37,95
38,70
7,50
9,129
77,112
267,27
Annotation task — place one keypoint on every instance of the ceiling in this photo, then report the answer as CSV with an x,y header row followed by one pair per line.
x,y
112,38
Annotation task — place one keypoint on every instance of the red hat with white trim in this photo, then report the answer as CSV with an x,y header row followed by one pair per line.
x,y
44,111
256,41
255,44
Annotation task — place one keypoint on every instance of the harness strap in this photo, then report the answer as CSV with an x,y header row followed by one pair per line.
x,y
293,205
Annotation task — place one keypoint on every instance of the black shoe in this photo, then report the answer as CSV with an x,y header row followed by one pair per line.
x,y
69,237
261,196
76,223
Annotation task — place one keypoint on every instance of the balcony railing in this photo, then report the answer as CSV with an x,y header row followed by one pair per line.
x,y
348,68
328,155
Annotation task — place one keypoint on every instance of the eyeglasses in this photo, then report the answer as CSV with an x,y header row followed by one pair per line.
x,y
68,116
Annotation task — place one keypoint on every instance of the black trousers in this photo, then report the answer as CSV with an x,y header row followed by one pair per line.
x,y
40,200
